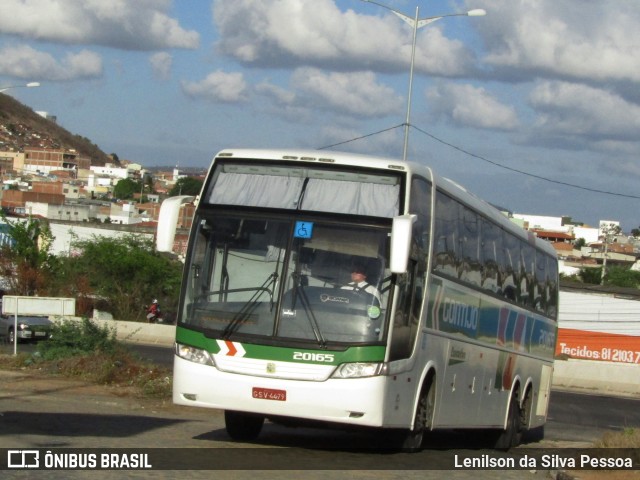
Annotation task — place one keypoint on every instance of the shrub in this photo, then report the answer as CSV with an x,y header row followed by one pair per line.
x,y
74,338
92,352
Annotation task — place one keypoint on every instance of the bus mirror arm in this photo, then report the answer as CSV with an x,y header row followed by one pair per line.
x,y
401,242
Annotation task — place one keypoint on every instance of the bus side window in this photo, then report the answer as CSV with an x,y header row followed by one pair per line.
x,y
406,320
527,274
420,205
510,268
540,294
491,256
552,287
446,231
469,229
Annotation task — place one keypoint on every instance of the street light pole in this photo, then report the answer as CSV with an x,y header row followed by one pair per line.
x,y
26,85
417,23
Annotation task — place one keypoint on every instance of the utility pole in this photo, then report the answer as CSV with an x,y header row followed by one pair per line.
x,y
607,229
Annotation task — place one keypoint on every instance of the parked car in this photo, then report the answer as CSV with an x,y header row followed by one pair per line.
x,y
29,328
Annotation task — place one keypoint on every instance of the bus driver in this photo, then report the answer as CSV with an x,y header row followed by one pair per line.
x,y
359,282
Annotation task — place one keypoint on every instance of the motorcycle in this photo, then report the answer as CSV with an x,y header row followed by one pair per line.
x,y
154,315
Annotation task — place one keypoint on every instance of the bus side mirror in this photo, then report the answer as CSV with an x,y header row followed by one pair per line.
x,y
401,242
168,222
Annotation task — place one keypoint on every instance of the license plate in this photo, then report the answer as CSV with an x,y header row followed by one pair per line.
x,y
269,394
40,334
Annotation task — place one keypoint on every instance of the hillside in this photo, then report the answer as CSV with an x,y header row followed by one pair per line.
x,y
21,127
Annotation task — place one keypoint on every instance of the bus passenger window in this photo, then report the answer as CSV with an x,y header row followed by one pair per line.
x,y
491,256
446,231
552,287
469,228
540,293
527,274
406,320
510,268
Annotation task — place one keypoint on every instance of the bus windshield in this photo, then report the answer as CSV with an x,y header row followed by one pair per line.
x,y
282,278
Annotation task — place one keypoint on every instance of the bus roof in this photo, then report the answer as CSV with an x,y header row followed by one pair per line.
x,y
323,156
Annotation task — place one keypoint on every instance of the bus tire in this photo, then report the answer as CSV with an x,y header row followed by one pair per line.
x,y
412,441
242,426
512,435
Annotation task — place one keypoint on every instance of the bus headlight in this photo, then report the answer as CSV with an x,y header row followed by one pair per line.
x,y
359,370
195,355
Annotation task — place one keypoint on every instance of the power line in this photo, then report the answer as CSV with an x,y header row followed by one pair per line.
x,y
492,162
360,138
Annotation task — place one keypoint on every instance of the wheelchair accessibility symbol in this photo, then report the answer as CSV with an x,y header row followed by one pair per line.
x,y
303,230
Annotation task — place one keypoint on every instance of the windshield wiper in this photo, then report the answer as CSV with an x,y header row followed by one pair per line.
x,y
304,300
250,305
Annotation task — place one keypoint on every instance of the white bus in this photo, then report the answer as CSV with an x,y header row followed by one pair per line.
x,y
451,322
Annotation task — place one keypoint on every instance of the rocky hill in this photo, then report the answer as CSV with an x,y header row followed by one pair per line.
x,y
21,127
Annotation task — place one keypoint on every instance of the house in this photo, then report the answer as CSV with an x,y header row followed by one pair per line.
x,y
46,160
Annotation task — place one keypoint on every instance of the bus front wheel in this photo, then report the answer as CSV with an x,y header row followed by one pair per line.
x,y
413,439
243,426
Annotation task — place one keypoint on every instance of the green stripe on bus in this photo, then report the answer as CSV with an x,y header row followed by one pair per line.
x,y
284,354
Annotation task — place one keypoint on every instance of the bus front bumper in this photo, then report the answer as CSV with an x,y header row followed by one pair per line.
x,y
358,401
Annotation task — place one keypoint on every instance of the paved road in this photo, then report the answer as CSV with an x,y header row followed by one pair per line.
x,y
38,411
573,417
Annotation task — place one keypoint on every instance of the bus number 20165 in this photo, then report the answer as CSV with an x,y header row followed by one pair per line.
x,y
313,357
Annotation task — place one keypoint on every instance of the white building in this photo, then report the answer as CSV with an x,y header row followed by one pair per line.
x,y
65,234
71,213
541,222
589,234
126,214
112,171
71,191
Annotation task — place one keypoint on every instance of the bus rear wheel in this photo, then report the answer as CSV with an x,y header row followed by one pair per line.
x,y
243,426
511,436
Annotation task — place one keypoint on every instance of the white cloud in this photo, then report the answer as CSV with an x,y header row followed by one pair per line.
x,y
353,95
317,33
356,94
579,110
471,106
126,24
574,39
161,64
218,86
28,63
278,94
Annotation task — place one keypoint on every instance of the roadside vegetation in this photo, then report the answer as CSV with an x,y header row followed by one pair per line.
x,y
616,276
627,438
117,275
88,351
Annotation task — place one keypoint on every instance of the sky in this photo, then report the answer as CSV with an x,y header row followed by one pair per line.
x,y
534,107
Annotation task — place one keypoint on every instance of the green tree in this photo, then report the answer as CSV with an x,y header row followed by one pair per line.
x,y
622,277
186,186
591,275
123,273
616,276
579,243
25,263
125,188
